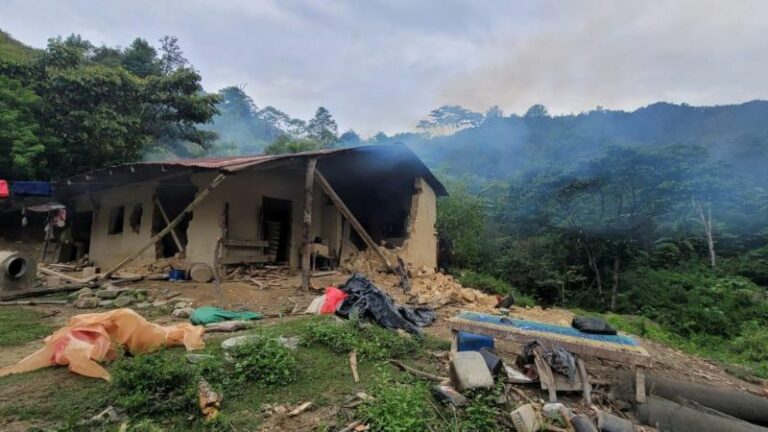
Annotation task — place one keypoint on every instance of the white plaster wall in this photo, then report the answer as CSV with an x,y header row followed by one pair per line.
x,y
106,249
244,192
420,248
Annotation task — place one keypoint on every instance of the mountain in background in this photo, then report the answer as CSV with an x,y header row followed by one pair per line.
x,y
13,50
500,147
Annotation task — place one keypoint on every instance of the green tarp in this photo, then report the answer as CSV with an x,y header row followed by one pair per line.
x,y
209,314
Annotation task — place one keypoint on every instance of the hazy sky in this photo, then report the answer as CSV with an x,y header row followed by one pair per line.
x,y
382,65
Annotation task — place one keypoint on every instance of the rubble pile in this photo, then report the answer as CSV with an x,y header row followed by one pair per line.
x,y
428,287
111,296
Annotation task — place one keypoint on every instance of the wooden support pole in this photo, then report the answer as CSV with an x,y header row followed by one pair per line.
x,y
167,221
306,246
198,199
351,218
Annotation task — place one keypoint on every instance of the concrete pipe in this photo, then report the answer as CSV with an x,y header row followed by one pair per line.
x,y
17,271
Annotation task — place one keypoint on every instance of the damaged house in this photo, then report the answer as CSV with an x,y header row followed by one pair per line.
x,y
300,210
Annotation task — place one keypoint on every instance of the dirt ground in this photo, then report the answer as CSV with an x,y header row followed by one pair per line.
x,y
289,299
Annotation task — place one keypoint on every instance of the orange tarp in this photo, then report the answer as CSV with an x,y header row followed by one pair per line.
x,y
90,338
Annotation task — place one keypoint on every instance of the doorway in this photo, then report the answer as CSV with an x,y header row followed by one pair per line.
x,y
174,198
276,228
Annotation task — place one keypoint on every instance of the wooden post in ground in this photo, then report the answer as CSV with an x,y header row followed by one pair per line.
x,y
306,250
344,210
198,199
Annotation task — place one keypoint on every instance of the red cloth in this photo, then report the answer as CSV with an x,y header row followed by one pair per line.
x,y
333,296
4,192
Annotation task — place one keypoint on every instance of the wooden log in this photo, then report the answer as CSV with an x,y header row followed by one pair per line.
x,y
32,302
40,292
306,246
344,210
168,221
200,197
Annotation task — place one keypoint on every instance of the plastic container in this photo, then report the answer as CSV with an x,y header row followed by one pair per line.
x,y
176,275
473,342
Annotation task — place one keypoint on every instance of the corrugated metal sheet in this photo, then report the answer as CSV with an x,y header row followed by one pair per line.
x,y
120,173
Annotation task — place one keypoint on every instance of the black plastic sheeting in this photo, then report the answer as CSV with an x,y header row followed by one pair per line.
x,y
367,301
592,325
668,416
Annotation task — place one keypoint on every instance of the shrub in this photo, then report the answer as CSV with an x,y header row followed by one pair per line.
x,y
397,407
154,384
485,283
371,342
752,343
262,361
480,415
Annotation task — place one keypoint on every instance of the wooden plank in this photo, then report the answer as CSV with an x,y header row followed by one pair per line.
x,y
39,292
167,221
546,377
64,277
454,343
586,386
245,258
200,197
344,210
640,385
234,243
306,240
522,338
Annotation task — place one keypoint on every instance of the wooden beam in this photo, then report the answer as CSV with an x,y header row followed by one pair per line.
x,y
198,199
351,218
167,221
306,250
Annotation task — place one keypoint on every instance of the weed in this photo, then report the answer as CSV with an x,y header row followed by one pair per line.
x,y
481,413
371,342
264,361
397,406
155,384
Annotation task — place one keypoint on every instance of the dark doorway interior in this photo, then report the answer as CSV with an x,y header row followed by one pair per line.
x,y
276,216
81,234
174,198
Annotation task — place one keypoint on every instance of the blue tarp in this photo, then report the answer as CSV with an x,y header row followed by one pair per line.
x,y
32,188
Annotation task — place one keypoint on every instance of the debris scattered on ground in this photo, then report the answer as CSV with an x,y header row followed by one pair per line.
x,y
229,326
469,371
208,400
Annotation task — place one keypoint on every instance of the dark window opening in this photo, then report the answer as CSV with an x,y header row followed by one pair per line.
x,y
116,220
276,214
135,220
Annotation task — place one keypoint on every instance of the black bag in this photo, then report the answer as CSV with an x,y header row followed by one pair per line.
x,y
592,325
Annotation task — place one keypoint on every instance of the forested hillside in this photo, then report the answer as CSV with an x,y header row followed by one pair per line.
x,y
660,212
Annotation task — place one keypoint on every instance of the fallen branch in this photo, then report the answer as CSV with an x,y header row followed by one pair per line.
x,y
351,426
324,273
300,409
418,373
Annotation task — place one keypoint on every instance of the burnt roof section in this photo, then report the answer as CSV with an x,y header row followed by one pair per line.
x,y
373,157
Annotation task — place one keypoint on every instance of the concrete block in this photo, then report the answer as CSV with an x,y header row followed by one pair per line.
x,y
469,371
106,303
183,312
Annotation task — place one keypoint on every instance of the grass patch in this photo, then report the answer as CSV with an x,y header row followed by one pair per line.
x,y
749,351
371,342
397,406
55,399
21,325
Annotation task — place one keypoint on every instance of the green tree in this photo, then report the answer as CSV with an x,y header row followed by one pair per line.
x,y
140,58
322,128
21,144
